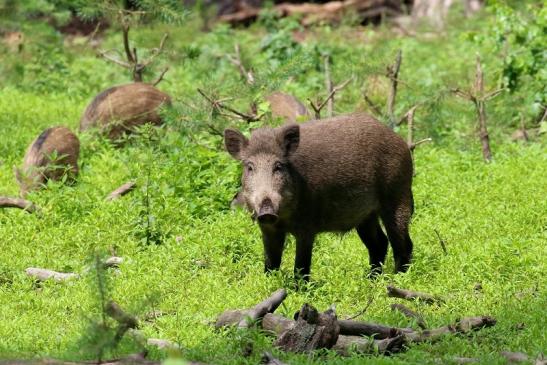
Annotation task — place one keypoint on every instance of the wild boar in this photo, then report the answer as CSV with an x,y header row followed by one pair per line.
x,y
286,106
53,154
328,175
118,110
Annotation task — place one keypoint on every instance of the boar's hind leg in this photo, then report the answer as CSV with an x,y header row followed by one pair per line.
x,y
396,216
274,242
375,240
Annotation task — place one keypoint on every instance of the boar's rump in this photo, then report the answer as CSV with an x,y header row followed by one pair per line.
x,y
118,110
52,154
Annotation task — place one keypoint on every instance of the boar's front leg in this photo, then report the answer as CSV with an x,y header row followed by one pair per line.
x,y
302,263
274,242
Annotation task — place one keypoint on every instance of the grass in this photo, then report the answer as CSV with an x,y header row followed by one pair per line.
x,y
209,258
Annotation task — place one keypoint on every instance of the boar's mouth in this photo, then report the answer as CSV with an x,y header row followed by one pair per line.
x,y
266,214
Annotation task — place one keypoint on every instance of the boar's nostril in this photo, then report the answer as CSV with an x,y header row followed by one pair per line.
x,y
266,213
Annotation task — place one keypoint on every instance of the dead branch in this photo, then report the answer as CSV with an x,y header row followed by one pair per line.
x,y
410,314
348,344
328,86
122,190
411,295
268,359
317,108
313,330
410,122
236,61
392,73
218,104
479,99
370,300
372,105
155,53
160,77
414,145
465,325
246,317
125,321
113,262
128,54
45,274
8,202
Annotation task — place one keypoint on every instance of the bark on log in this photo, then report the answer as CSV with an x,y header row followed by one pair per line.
x,y
279,324
411,295
45,274
8,202
312,331
246,317
121,191
348,344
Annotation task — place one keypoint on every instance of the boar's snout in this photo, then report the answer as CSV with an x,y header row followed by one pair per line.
x,y
266,213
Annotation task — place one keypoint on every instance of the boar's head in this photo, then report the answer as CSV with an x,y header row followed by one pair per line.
x,y
269,182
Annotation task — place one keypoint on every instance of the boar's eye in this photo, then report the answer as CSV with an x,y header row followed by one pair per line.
x,y
278,167
249,167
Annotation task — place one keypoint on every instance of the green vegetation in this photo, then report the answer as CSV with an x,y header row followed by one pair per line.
x,y
190,256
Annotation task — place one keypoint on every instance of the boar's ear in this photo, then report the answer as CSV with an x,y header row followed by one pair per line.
x,y
288,138
235,142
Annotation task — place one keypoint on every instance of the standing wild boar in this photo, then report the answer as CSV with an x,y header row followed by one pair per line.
x,y
286,106
327,175
53,154
119,109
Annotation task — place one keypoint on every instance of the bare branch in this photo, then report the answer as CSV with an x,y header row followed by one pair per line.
x,y
328,86
463,94
121,191
105,55
410,314
160,77
425,140
371,104
317,108
441,241
216,104
370,300
493,94
156,51
128,54
247,75
393,74
411,295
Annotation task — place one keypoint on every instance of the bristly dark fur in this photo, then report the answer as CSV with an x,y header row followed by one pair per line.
x,y
41,139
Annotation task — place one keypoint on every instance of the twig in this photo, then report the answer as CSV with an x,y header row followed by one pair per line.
x,y
370,300
411,295
217,104
393,74
372,105
414,145
410,314
8,202
247,75
160,77
479,98
328,86
128,54
122,190
156,51
105,55
317,108
441,241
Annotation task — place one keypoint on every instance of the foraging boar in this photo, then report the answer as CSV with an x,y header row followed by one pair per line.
x,y
286,106
118,110
327,175
53,154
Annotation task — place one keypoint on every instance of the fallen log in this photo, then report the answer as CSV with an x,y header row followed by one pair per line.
x,y
277,324
121,191
364,345
246,317
312,330
464,325
9,202
45,274
411,295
